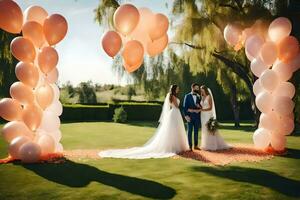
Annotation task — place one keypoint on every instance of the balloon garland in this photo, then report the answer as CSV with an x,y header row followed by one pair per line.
x,y
34,107
274,56
138,31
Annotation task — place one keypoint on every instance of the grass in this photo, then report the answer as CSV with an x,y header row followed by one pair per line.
x,y
278,178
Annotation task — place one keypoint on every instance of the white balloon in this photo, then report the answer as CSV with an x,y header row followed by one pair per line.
x,y
257,88
50,122
59,148
56,91
56,108
261,138
258,66
52,76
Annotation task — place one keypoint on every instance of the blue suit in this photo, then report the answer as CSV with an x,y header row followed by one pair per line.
x,y
189,103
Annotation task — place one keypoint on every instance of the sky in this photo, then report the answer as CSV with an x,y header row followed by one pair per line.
x,y
81,57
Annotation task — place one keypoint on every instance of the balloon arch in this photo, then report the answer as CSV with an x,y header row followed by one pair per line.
x,y
33,110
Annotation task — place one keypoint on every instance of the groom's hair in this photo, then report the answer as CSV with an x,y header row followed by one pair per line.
x,y
194,84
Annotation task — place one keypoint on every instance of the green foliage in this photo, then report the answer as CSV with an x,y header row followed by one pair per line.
x,y
87,93
130,92
120,115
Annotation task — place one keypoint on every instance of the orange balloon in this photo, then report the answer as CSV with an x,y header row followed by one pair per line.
x,y
288,48
34,32
11,17
10,109
132,68
21,92
27,73
22,49
47,59
15,129
133,52
159,26
126,17
111,43
55,28
32,116
157,46
36,14
268,53
44,95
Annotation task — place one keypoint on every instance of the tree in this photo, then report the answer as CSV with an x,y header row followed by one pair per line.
x,y
87,93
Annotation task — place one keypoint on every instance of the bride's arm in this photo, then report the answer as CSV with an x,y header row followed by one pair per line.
x,y
210,104
174,101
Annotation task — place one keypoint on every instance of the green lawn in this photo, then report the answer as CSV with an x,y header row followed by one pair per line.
x,y
182,179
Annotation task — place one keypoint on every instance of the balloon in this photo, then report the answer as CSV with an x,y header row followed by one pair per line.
x,y
261,138
295,63
30,152
280,28
22,49
286,89
111,43
257,88
159,26
132,68
27,73
283,105
10,109
269,121
264,101
269,80
258,66
14,146
15,129
246,33
55,91
126,17
288,49
157,46
278,142
44,95
52,76
34,32
268,53
133,52
284,71
59,148
50,122
47,144
55,28
21,92
56,135
55,107
32,116
286,125
11,17
47,59
232,34
253,46
36,14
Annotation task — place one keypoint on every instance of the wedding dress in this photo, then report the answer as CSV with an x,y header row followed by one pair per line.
x,y
169,139
210,142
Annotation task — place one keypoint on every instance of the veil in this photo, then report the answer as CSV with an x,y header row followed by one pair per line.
x,y
213,109
166,107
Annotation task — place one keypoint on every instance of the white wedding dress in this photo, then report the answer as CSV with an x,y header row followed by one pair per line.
x,y
169,139
210,142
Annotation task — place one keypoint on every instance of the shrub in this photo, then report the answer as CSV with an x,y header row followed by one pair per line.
x,y
120,115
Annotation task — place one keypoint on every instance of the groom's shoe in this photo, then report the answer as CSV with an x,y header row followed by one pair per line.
x,y
197,148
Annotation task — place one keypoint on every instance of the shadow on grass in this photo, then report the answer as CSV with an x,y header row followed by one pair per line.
x,y
292,153
286,186
80,175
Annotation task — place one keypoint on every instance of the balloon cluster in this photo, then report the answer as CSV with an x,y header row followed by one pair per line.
x,y
274,56
34,107
139,31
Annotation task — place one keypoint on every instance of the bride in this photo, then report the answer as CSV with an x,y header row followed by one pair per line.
x,y
169,139
209,141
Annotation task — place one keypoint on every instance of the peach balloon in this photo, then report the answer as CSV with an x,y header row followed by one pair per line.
x,y
257,88
55,107
258,66
22,93
27,73
22,49
246,33
59,148
269,121
55,91
261,138
268,53
47,144
126,18
283,105
47,59
159,26
34,32
14,146
232,34
36,14
157,46
52,76
132,68
30,152
55,28
288,49
278,142
14,129
283,70
269,80
264,101
133,52
56,135
286,89
286,125
50,122
44,95
10,109
295,63
11,17
111,43
32,116
280,28
253,45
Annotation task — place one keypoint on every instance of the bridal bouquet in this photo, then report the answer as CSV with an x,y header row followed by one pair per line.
x,y
212,125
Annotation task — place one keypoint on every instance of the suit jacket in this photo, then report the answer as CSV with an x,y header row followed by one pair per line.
x,y
189,103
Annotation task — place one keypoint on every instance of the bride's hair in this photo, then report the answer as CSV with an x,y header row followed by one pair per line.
x,y
173,91
203,87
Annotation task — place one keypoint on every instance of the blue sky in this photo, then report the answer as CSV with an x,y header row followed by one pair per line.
x,y
81,57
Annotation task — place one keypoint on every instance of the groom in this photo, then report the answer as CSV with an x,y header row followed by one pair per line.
x,y
192,101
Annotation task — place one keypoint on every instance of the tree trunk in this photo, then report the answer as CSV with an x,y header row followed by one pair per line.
x,y
235,106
